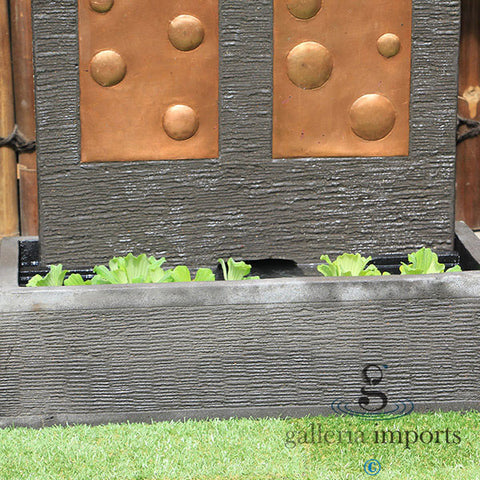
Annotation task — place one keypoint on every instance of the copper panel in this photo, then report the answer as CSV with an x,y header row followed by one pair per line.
x,y
139,62
359,108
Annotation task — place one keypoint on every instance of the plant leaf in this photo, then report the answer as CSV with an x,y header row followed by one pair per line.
x,y
104,275
98,280
160,276
34,281
221,261
54,278
330,269
456,268
136,268
76,280
204,275
235,270
423,262
348,265
131,269
181,274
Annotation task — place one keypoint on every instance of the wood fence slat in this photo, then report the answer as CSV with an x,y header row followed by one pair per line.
x,y
9,224
21,33
468,153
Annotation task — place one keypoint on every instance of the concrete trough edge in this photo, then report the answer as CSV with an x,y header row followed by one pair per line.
x,y
248,292
47,420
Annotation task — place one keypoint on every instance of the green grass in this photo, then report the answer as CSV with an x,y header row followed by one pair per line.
x,y
242,449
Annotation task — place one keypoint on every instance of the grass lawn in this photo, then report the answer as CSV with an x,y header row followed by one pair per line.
x,y
249,449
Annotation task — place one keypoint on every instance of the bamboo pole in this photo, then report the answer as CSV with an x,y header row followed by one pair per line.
x,y
8,162
21,32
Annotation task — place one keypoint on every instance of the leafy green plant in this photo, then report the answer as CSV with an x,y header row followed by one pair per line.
x,y
425,261
143,269
182,274
348,265
123,270
54,278
75,280
233,270
131,269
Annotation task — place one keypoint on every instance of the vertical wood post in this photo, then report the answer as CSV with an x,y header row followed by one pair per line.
x,y
21,33
9,222
468,154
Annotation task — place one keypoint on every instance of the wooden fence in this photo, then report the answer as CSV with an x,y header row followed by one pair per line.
x,y
18,176
468,153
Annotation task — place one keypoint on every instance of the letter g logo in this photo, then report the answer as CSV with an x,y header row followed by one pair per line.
x,y
372,379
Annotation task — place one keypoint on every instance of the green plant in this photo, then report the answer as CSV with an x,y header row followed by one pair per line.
x,y
143,269
54,278
348,265
182,274
75,280
123,270
424,261
131,269
233,270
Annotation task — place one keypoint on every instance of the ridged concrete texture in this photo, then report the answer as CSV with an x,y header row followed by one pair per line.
x,y
244,203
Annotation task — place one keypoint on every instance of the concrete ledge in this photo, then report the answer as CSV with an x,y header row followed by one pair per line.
x,y
41,421
255,348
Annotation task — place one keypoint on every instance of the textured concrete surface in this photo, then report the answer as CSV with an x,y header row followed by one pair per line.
x,y
245,204
269,347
